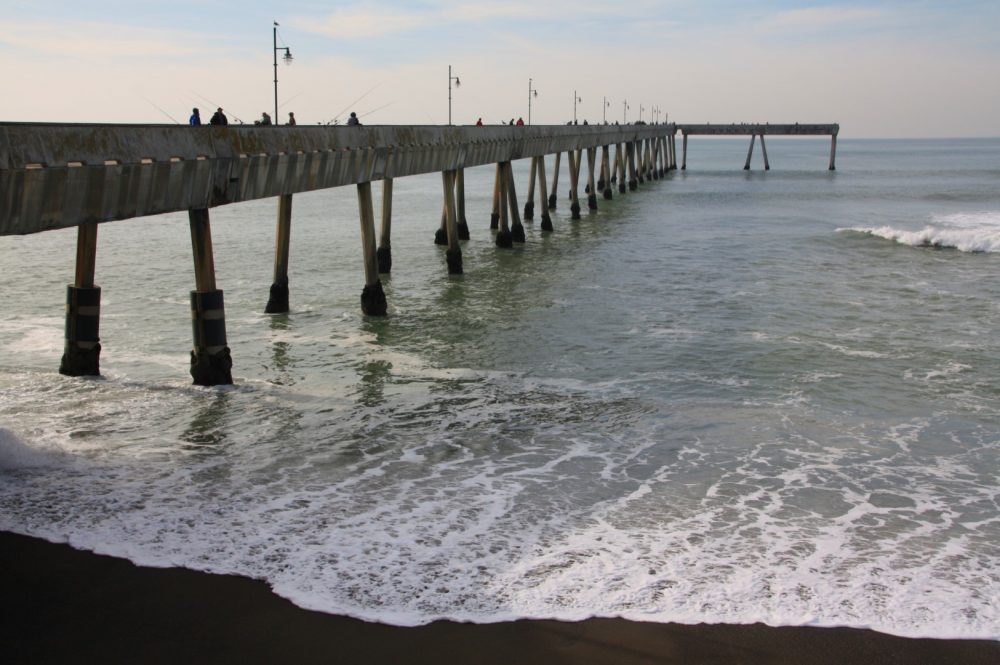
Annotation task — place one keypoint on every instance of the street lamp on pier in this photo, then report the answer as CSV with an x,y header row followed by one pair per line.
x,y
287,59
531,93
575,100
458,84
605,109
625,108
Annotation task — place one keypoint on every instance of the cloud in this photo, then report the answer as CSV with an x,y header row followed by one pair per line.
x,y
101,40
368,20
820,18
362,23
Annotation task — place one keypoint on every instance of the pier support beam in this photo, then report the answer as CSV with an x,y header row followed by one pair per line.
x,y
372,296
633,183
601,171
454,252
684,154
441,235
574,179
620,167
503,238
591,163
555,183
543,195
463,225
277,302
833,152
529,204
495,214
82,349
516,229
763,150
211,361
746,167
384,252
606,172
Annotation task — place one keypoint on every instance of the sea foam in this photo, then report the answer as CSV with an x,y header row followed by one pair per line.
x,y
966,232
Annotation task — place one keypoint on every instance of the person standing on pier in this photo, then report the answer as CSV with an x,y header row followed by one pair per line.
x,y
265,119
195,118
353,120
219,118
291,119
520,122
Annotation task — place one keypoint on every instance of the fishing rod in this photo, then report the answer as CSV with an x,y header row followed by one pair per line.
x,y
335,118
162,111
376,109
218,106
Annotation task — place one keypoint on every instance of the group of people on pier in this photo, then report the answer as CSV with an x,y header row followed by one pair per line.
x,y
219,118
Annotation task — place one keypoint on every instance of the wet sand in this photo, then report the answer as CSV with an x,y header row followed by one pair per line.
x,y
60,605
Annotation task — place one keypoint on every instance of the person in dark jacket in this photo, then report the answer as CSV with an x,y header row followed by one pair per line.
x,y
219,118
353,120
291,119
195,118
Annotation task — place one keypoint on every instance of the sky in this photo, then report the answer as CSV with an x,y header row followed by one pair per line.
x,y
883,68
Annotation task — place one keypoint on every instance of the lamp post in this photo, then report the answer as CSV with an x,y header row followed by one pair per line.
x,y
531,93
606,105
287,58
575,100
625,108
641,109
458,84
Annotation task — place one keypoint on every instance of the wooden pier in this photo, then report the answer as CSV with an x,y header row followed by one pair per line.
x,y
55,176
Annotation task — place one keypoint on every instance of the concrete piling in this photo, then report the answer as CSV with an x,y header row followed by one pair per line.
x,y
211,361
454,253
763,150
463,225
592,191
543,196
503,238
82,348
746,167
373,301
606,173
529,204
833,152
633,183
684,153
574,179
277,302
516,228
555,183
620,167
384,252
495,214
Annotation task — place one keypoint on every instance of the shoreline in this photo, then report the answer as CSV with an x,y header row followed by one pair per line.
x,y
66,605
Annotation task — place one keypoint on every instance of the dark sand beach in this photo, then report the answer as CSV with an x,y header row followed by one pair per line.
x,y
61,605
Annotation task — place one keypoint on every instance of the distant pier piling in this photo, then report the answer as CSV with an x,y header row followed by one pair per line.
x,y
591,187
555,183
543,196
516,228
454,253
606,173
373,301
529,203
277,302
82,348
383,254
211,362
463,224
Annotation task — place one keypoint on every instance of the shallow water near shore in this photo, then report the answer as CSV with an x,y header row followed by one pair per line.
x,y
729,397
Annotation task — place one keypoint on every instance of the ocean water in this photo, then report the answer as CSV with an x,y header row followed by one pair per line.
x,y
729,397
